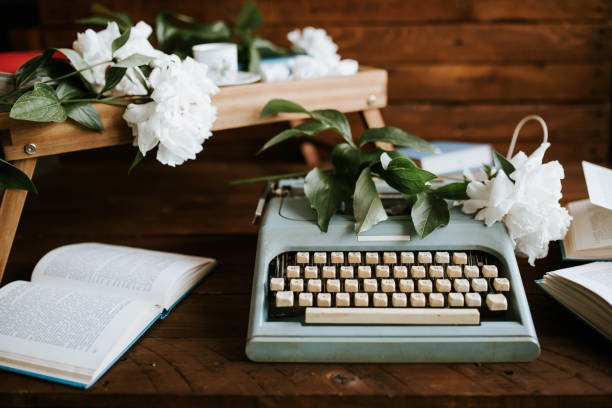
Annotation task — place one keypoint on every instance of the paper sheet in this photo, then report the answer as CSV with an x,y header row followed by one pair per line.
x,y
599,183
592,225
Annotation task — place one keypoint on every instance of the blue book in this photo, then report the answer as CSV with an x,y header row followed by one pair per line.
x,y
86,304
453,157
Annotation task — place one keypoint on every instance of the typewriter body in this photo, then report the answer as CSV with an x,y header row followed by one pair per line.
x,y
385,295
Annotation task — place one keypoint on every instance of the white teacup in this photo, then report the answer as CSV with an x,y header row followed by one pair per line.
x,y
221,58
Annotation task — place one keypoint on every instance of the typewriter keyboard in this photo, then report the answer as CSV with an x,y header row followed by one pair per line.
x,y
388,287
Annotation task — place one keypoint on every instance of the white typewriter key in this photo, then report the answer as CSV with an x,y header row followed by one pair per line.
x,y
361,300
479,285
277,284
324,299
455,299
443,285
389,257
328,272
400,271
436,300
471,271
436,271
371,258
302,257
337,257
296,285
333,285
459,258
425,286
417,300
314,285
461,285
346,272
285,299
453,271
370,285
407,257
406,285
364,271
489,271
293,271
472,300
501,284
319,257
305,299
417,271
442,257
399,300
379,300
343,300
382,271
351,285
311,272
495,301
424,257
387,285
354,257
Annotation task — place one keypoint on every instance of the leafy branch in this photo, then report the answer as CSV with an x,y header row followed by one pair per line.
x,y
351,180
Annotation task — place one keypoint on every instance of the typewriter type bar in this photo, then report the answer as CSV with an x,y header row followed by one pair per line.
x,y
421,316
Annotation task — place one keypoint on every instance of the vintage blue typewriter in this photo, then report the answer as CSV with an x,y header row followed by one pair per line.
x,y
385,295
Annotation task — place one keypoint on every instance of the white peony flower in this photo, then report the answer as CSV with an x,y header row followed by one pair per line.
x,y
180,117
529,207
96,47
306,67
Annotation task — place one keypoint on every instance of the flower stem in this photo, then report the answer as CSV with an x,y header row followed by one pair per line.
x,y
272,178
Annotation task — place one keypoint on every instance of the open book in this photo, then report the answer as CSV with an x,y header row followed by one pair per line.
x,y
590,234
586,290
86,304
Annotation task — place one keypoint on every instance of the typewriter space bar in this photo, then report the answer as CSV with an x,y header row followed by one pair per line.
x,y
414,316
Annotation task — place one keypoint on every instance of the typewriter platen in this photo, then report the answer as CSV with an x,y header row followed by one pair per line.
x,y
385,295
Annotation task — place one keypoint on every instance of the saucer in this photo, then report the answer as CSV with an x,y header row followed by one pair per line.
x,y
240,78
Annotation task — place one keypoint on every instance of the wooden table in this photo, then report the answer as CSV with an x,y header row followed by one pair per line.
x,y
196,357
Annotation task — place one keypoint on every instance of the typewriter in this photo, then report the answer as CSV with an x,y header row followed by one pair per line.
x,y
385,295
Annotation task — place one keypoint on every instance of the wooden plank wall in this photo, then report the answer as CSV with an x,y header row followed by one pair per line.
x,y
459,69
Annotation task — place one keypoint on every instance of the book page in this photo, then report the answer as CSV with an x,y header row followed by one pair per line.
x,y
599,184
62,331
592,225
595,276
133,272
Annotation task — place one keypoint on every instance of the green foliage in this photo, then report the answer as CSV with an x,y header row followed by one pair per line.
x,y
504,164
248,19
84,114
13,178
112,77
137,159
106,15
177,33
28,71
39,105
121,40
353,171
78,63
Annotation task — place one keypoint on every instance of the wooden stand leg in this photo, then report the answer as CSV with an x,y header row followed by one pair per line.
x,y
373,119
10,212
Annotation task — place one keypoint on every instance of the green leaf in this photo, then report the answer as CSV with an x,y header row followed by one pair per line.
x,y
28,70
325,193
254,57
13,178
275,106
367,207
504,164
306,128
139,157
84,114
134,60
336,120
122,18
95,20
146,70
121,40
397,137
452,191
39,105
249,18
346,161
70,89
370,158
267,49
403,175
78,63
112,77
428,213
